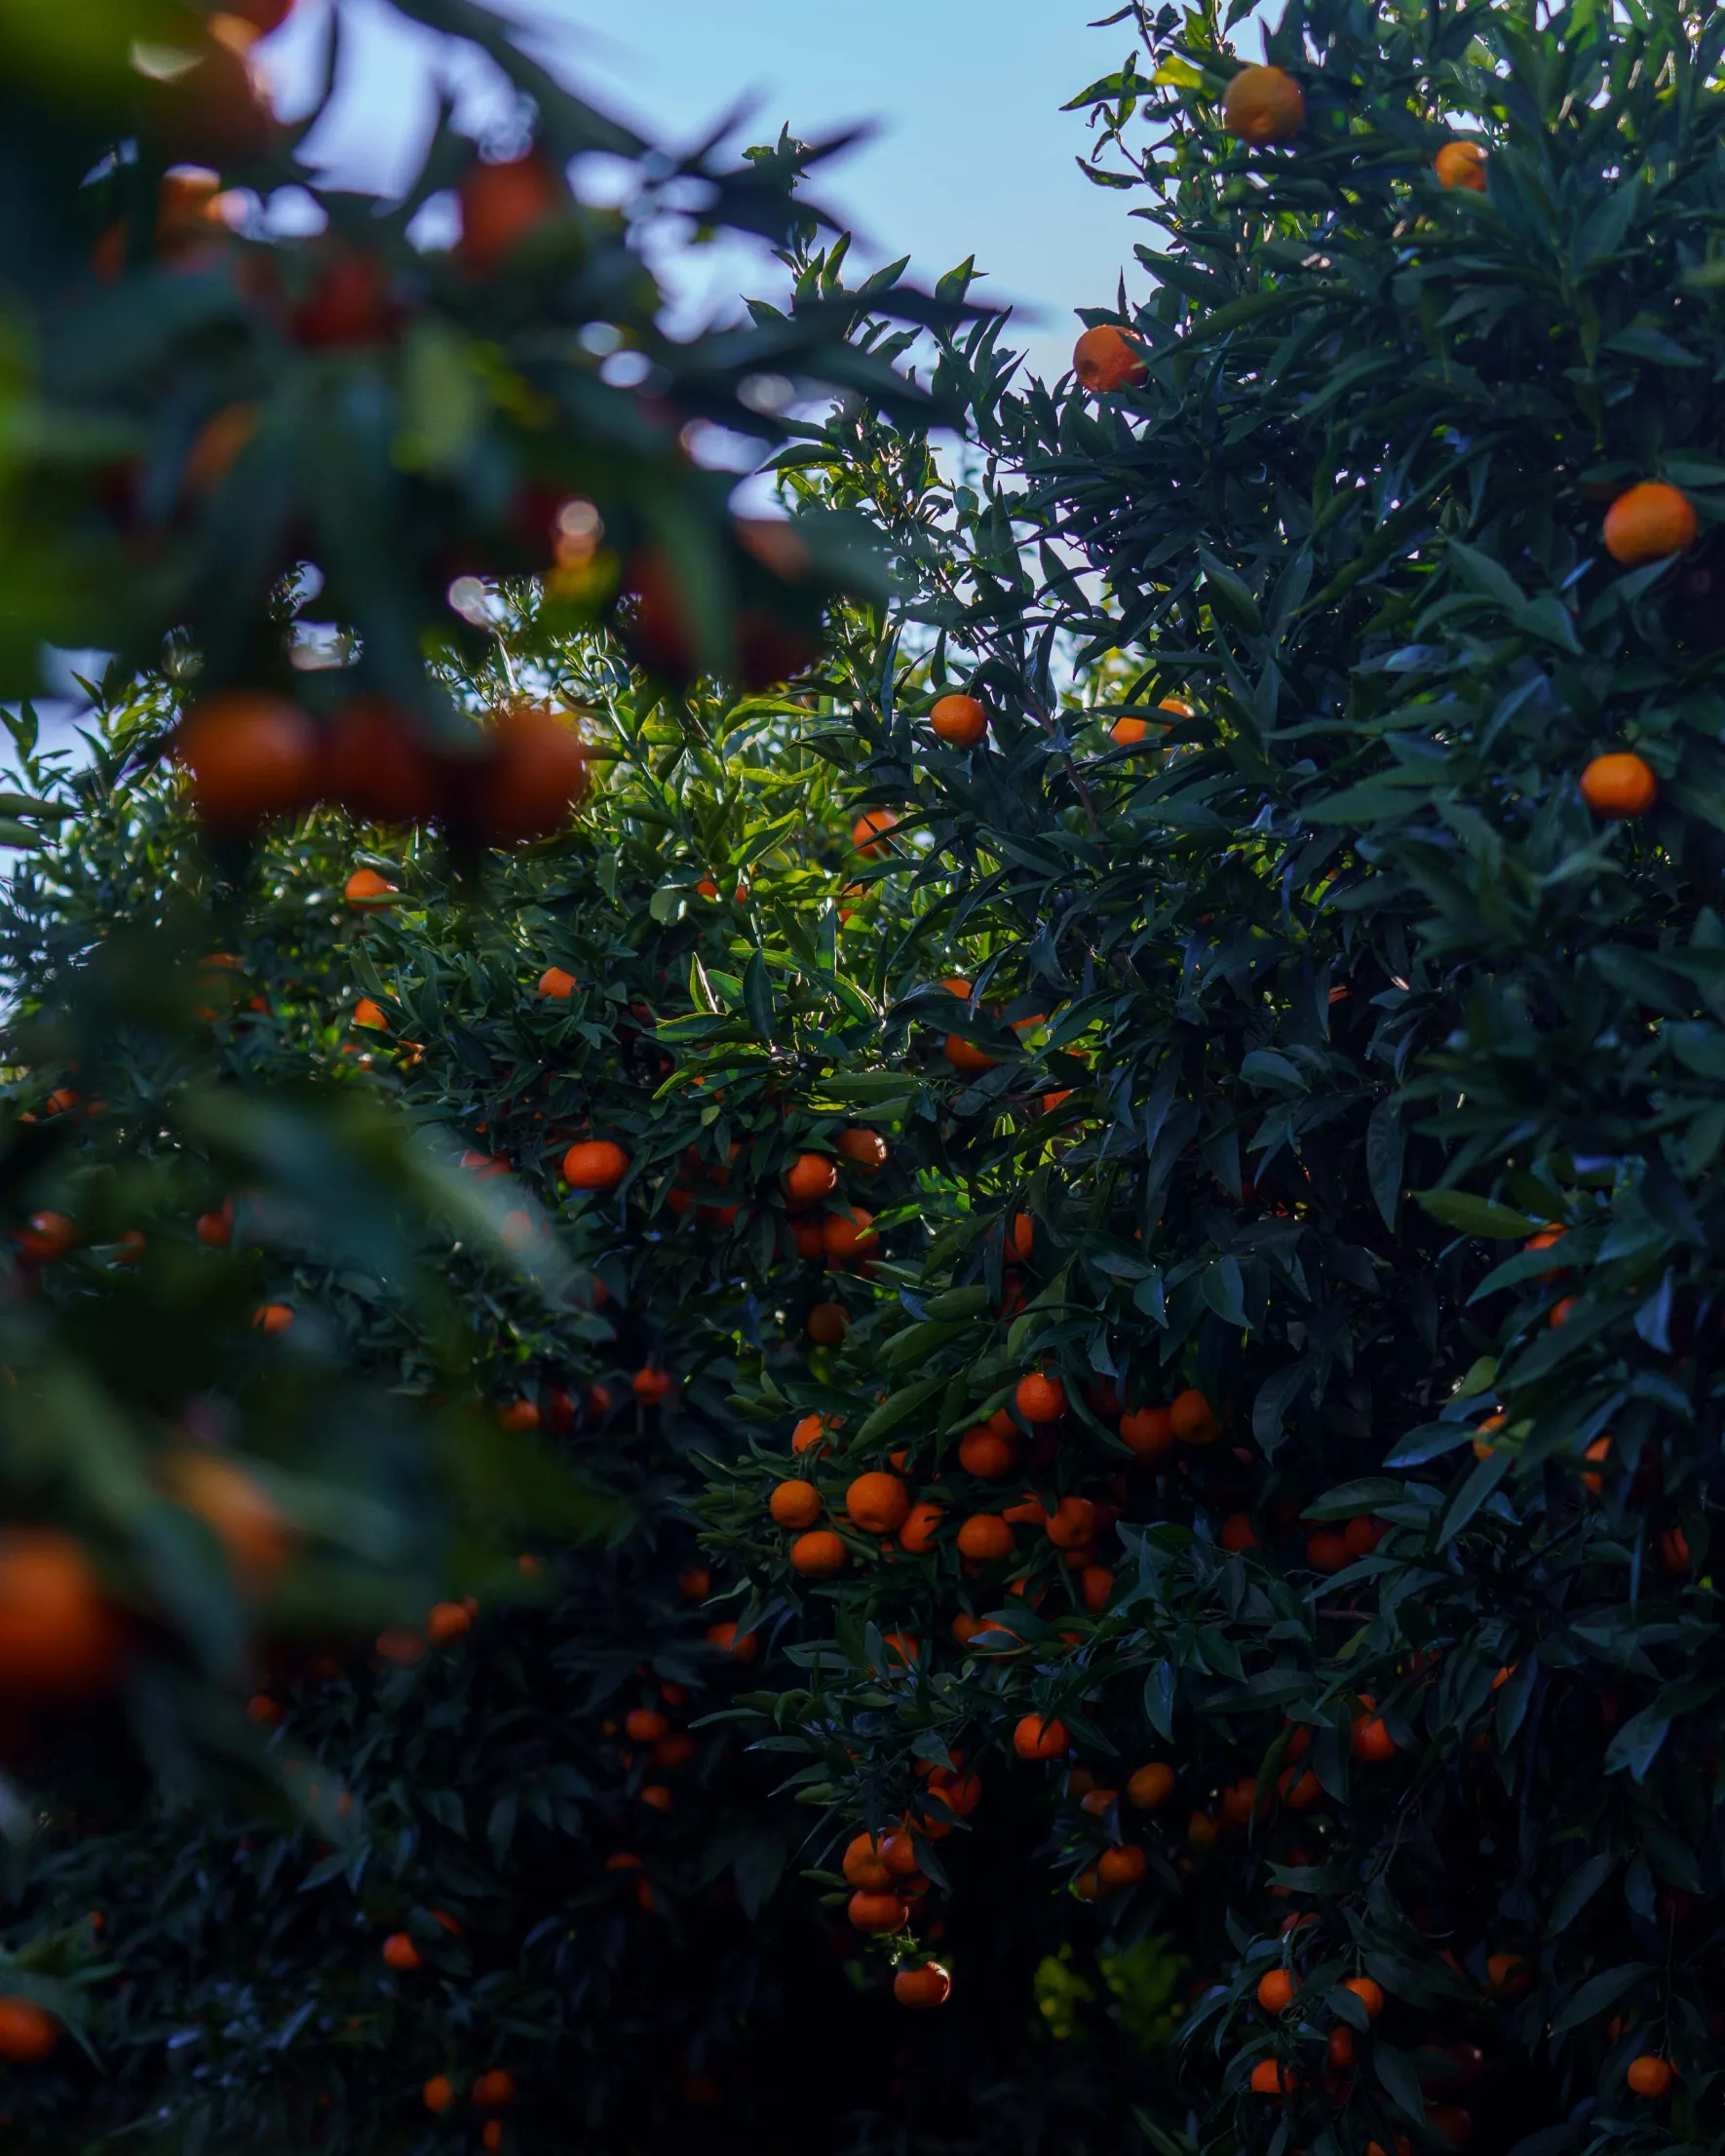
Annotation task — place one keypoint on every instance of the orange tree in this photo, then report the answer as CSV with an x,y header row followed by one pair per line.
x,y
509,1849
213,427
1283,1432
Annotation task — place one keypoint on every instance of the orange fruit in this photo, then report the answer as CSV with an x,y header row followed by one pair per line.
x,y
365,885
495,2091
986,1455
1021,1235
1040,1398
865,1867
694,1583
1121,1867
984,1537
865,1150
1599,1451
1041,1737
1649,2076
1192,1418
1151,1785
809,1178
1095,1587
959,720
249,755
651,1385
869,832
243,1516
1340,2047
1269,2078
1299,1790
921,1526
26,2032
1202,1831
376,766
1263,106
1461,165
818,1555
927,1985
1327,1551
501,203
447,1623
1371,1741
1619,785
1647,523
534,778
877,1910
401,1645
1072,1524
1236,1533
1673,1552
1508,1974
741,1646
48,1235
1276,1990
826,1324
594,1164
1108,358
399,1952
795,1504
57,1636
1369,1994
878,1503
558,985
369,1014
263,1711
808,1433
845,1235
965,1056
519,1414
1149,1432
437,2093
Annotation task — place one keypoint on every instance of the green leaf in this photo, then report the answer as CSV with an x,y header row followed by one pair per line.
x,y
1480,1217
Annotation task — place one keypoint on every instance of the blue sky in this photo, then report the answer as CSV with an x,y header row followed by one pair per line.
x,y
971,154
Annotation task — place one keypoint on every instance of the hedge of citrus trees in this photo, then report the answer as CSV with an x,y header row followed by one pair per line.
x,y
1283,1432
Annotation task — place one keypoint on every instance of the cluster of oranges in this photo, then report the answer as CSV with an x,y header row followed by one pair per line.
x,y
251,755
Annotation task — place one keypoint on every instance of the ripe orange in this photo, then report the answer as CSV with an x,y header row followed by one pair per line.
x,y
1327,1551
1040,1398
1371,1741
399,1952
865,1867
495,2091
1108,358
1236,1533
1673,1552
1202,1831
869,832
878,1502
48,1235
501,203
965,1056
742,1647
534,778
519,1414
1461,164
1264,105
877,1912
921,1526
1072,1524
594,1164
865,1150
1151,1785
57,1636
376,766
1649,2076
401,1645
650,1385
1508,1974
558,985
1269,2078
1021,1235
1300,1790
251,755
818,1555
1192,1418
26,2032
369,1014
491,2133
243,1516
437,2093
1648,523
1121,1867
1149,1432
1619,785
1095,1587
826,1324
795,1504
694,1583
809,1178
808,1433
1041,1737
364,886
447,1623
984,1537
845,1235
959,720
924,1986
1369,1994
983,1453
1339,2047
1276,1990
